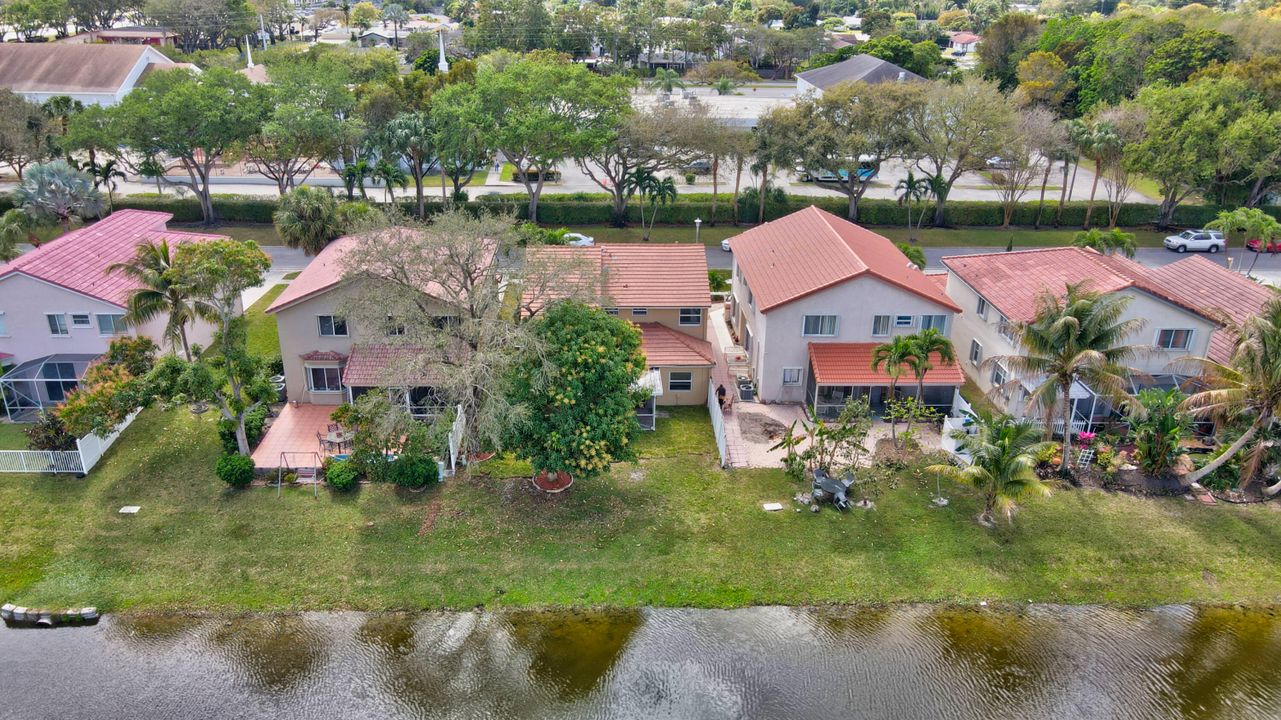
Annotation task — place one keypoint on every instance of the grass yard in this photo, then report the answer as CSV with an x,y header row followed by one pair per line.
x,y
927,237
13,436
261,233
264,338
673,530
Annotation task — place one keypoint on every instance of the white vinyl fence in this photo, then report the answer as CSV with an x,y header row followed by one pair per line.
x,y
89,450
718,421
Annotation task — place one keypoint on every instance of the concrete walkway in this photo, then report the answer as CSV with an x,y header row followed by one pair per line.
x,y
735,448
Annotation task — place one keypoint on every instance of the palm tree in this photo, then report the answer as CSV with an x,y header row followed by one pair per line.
x,y
307,218
395,14
725,86
1100,143
1108,242
150,167
892,356
666,80
391,175
106,174
58,191
928,342
159,293
354,175
658,191
912,190
1247,387
1246,224
1079,337
1003,452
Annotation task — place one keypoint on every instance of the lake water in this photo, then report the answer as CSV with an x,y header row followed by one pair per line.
x,y
901,663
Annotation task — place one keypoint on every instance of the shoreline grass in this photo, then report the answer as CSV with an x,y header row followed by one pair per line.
x,y
672,530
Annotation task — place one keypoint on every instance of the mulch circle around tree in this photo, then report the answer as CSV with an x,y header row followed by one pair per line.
x,y
548,483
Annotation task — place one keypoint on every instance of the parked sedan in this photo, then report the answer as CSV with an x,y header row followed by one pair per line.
x,y
725,245
1210,241
1257,245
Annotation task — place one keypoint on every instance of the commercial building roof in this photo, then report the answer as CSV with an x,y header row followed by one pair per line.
x,y
811,250
79,261
69,68
851,364
864,68
666,347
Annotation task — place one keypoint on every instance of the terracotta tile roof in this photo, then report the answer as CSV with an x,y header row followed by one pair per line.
x,y
940,278
965,38
385,366
79,260
1200,283
636,275
67,68
666,347
851,364
810,250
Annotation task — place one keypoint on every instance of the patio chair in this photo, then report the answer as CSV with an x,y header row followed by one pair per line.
x,y
334,427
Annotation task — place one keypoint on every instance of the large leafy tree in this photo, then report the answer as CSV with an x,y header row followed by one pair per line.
x,y
579,393
194,119
58,192
1079,336
464,139
545,110
161,293
643,142
1245,390
22,132
1004,45
1002,465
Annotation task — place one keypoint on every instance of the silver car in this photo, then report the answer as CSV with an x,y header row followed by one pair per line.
x,y
1210,241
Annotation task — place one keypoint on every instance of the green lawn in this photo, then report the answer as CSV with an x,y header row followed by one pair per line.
x,y
13,436
927,237
261,233
264,338
672,530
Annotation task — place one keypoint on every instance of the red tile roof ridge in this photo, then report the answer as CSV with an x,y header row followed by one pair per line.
x,y
657,332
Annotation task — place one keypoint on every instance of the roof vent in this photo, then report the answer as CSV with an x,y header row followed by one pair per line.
x,y
902,76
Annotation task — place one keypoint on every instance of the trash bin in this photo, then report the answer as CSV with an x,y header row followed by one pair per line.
x,y
281,394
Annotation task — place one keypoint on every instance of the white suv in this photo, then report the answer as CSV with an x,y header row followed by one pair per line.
x,y
1210,241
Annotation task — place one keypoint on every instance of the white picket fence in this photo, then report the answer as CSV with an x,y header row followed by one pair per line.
x,y
89,450
718,421
951,444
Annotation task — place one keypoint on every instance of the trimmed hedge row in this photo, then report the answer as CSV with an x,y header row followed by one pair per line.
x,y
568,210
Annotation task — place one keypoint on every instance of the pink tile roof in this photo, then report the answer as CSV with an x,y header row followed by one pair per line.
x,y
851,364
385,366
636,275
1012,281
79,260
940,278
666,347
324,272
811,250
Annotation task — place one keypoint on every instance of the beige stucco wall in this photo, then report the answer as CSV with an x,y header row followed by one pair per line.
x,y
1155,313
669,317
697,395
778,343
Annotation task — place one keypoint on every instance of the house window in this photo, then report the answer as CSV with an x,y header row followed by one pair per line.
x,y
904,321
58,325
111,324
394,329
691,316
4,329
998,375
792,376
81,320
680,381
1174,339
640,312
880,325
1006,328
976,353
611,311
324,379
332,326
751,299
937,322
981,310
818,325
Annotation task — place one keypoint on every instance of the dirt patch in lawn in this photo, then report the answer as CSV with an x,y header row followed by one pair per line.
x,y
433,511
758,428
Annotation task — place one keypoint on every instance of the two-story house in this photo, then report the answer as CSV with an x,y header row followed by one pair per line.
x,y
1180,306
664,290
61,306
814,294
329,358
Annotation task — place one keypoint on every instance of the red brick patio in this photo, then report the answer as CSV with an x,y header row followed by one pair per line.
x,y
294,431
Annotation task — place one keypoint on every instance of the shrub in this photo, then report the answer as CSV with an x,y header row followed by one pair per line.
x,y
49,433
235,470
413,470
254,421
341,475
136,355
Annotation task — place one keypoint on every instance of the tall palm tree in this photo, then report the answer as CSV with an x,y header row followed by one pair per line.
x,y
106,174
892,356
58,191
1108,242
928,342
1003,452
391,175
1080,336
354,175
911,190
1100,143
395,14
159,293
666,80
1247,387
1245,224
655,191
307,218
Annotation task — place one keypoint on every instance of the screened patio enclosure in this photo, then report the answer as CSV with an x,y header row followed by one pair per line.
x,y
839,372
40,383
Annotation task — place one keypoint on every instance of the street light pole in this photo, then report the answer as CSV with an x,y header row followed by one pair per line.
x,y
698,225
